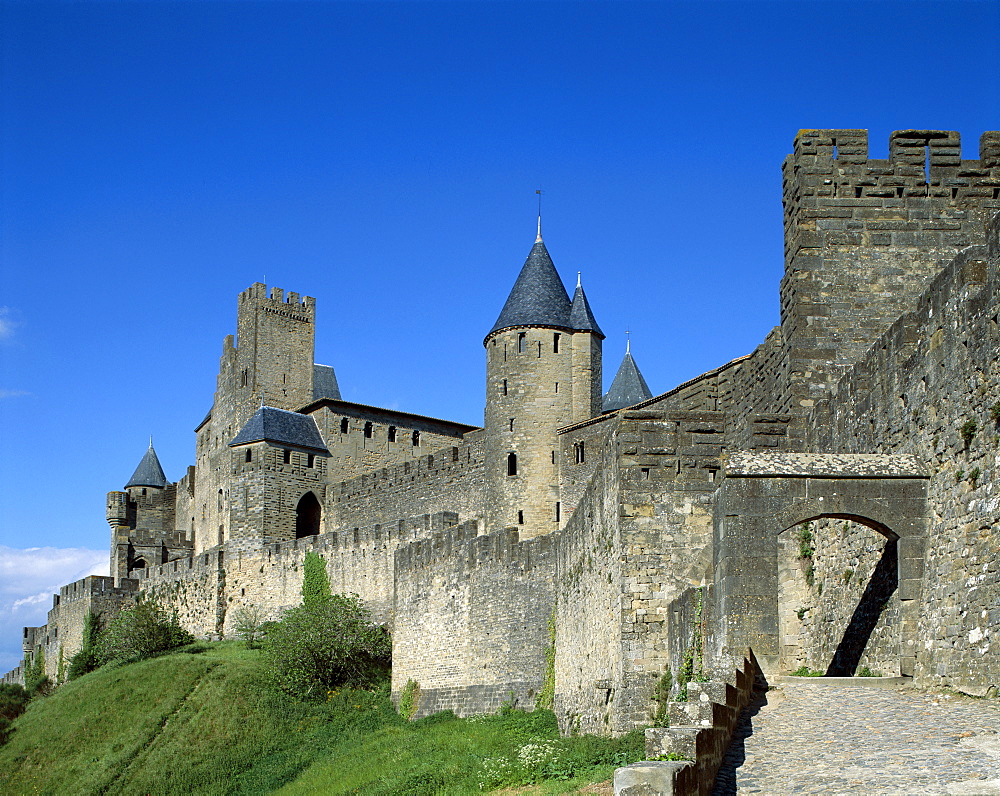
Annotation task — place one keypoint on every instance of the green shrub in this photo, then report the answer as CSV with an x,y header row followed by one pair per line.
x,y
141,631
995,412
805,671
315,581
36,682
316,648
968,430
974,474
248,622
13,700
86,659
661,696
409,700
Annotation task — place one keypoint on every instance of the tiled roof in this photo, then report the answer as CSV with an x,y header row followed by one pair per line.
x,y
149,472
538,297
325,383
629,387
281,427
580,315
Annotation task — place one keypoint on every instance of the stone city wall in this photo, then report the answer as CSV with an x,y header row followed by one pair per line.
x,y
472,615
363,438
63,631
931,387
450,479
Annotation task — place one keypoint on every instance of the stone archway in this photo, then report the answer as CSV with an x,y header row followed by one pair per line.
x,y
308,514
762,495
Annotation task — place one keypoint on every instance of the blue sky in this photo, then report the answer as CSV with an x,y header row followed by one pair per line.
x,y
159,157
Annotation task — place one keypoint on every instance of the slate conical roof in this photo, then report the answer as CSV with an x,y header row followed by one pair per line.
x,y
580,315
629,387
538,297
149,472
281,427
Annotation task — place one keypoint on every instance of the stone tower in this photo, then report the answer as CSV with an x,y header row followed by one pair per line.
x,y
269,363
143,520
543,371
863,239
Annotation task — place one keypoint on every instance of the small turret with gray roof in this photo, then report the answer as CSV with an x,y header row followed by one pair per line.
x,y
628,387
149,472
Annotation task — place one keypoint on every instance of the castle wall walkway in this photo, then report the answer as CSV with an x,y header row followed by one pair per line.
x,y
831,739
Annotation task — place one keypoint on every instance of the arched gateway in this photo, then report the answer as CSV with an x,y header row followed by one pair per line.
x,y
762,495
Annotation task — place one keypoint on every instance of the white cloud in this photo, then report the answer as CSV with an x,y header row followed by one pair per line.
x,y
7,324
12,393
28,579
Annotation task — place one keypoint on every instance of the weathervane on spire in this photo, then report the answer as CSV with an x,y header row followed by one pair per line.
x,y
628,341
578,282
539,237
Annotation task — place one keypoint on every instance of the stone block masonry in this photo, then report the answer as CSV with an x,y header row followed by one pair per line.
x,y
471,619
656,535
864,238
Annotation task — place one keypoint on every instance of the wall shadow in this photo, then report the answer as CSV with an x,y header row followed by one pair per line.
x,y
883,583
735,756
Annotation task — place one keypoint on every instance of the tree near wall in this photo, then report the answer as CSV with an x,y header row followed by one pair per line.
x,y
315,581
325,644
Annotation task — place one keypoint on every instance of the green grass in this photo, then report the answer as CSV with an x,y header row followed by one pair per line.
x,y
208,722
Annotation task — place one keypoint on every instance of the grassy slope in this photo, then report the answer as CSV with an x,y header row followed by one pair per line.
x,y
207,723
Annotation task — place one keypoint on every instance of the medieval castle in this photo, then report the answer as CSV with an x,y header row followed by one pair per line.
x,y
831,499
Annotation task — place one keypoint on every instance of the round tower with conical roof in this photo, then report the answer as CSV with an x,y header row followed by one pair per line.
x,y
543,371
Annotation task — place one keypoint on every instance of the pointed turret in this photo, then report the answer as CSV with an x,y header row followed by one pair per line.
x,y
149,472
629,387
538,297
580,315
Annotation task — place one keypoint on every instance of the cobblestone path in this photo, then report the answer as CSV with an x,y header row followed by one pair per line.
x,y
829,739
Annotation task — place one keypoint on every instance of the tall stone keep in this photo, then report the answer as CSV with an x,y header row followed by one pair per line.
x,y
543,371
269,363
864,237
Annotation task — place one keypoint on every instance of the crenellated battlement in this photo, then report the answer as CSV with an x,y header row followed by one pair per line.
x,y
464,546
299,307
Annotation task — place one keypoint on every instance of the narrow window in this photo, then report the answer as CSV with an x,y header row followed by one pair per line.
x,y
343,425
553,457
557,386
511,464
558,510
144,490
504,387
512,424
287,456
368,429
520,518
416,439
248,457
504,352
835,152
581,452
555,343
310,460
244,378
392,433
522,340
220,500
539,348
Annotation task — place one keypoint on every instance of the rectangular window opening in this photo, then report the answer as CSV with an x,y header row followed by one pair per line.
x,y
558,511
520,518
555,343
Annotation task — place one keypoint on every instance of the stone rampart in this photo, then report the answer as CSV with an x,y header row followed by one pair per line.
x,y
472,615
450,479
930,386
